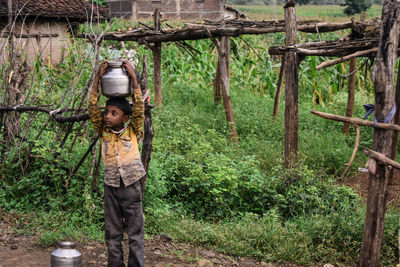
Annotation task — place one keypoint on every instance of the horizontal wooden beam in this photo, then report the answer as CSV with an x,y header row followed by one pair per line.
x,y
356,121
382,158
336,48
196,32
35,35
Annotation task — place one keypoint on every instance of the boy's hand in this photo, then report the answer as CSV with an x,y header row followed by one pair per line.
x,y
131,72
102,69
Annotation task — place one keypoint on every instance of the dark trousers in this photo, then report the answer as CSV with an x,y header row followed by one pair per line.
x,y
123,208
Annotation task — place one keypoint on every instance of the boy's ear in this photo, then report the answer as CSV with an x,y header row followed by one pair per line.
x,y
125,118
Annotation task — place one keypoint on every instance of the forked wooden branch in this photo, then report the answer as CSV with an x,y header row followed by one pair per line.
x,y
353,155
382,158
356,121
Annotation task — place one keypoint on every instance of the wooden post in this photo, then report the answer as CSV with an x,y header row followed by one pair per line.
x,y
218,80
10,29
217,85
157,61
279,90
383,77
148,127
351,93
291,87
134,10
223,55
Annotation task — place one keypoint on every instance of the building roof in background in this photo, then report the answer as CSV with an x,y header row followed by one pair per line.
x,y
56,9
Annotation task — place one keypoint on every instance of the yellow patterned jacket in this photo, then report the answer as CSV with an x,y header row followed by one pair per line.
x,y
120,152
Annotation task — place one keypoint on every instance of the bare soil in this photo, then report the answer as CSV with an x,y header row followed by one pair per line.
x,y
17,249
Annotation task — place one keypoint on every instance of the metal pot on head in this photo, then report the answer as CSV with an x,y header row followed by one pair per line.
x,y
116,82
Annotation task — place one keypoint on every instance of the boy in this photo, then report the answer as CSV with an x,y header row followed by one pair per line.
x,y
123,169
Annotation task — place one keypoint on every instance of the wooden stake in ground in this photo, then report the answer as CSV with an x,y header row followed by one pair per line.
x,y
383,77
224,55
291,87
157,61
351,93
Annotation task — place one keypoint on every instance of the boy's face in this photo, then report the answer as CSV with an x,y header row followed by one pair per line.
x,y
114,118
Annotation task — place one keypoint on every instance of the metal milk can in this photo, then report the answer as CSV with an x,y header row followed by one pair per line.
x,y
66,255
116,81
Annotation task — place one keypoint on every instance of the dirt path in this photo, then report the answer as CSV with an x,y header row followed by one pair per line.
x,y
20,250
159,253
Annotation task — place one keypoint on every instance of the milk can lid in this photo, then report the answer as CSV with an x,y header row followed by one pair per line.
x,y
67,244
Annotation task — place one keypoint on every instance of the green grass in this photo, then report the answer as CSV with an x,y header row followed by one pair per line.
x,y
326,13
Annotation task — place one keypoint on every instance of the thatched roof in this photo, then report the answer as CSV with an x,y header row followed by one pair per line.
x,y
80,10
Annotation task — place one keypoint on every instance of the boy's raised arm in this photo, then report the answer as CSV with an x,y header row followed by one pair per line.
x,y
94,111
137,116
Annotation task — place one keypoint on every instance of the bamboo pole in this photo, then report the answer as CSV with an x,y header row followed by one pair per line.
x,y
291,88
383,77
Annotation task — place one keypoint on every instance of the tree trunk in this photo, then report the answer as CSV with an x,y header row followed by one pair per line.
x,y
383,77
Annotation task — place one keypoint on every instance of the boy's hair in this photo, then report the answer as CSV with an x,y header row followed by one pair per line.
x,y
121,103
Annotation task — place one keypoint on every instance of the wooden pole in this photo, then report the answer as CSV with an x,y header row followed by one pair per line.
x,y
148,127
291,87
383,77
10,28
382,158
218,80
217,84
356,121
157,62
223,55
279,89
351,93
